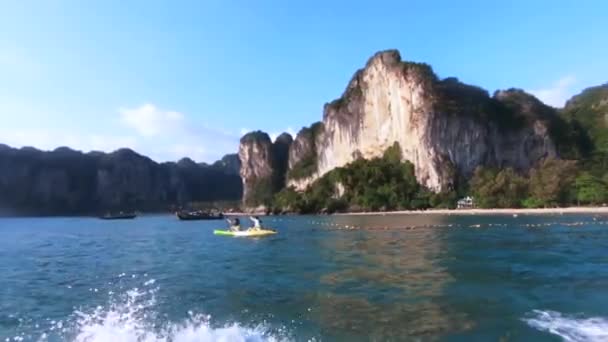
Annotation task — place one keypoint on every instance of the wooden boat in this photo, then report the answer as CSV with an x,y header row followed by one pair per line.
x,y
198,215
119,216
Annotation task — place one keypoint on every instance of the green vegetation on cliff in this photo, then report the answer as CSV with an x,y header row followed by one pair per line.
x,y
493,188
460,99
510,110
261,193
552,183
588,113
591,189
384,183
307,165
590,110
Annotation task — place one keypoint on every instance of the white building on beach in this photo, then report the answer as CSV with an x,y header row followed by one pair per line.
x,y
466,203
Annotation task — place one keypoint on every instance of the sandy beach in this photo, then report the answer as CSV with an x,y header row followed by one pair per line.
x,y
522,211
497,211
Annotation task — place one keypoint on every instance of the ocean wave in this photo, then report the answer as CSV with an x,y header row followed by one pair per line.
x,y
570,328
112,330
132,317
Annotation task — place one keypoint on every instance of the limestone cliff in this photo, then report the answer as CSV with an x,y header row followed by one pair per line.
x,y
280,152
303,155
444,127
65,181
263,166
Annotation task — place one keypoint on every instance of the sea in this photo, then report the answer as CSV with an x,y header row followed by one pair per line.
x,y
321,278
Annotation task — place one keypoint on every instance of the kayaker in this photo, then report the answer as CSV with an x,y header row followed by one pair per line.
x,y
235,224
257,223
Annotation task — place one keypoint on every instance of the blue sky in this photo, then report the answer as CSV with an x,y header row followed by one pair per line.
x,y
186,78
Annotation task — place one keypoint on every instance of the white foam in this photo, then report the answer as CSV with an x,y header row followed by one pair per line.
x,y
131,317
570,328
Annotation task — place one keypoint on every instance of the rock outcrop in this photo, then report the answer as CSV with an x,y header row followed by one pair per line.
x,y
589,111
230,164
303,156
65,181
255,153
444,127
263,166
280,153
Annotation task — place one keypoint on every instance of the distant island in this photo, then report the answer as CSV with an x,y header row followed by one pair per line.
x,y
68,182
399,138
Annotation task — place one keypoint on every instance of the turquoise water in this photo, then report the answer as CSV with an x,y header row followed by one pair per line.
x,y
332,278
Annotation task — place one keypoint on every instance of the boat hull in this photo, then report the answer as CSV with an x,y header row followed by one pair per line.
x,y
118,217
198,217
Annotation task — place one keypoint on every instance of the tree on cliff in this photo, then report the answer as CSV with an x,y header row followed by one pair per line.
x,y
384,183
590,189
380,183
493,188
551,183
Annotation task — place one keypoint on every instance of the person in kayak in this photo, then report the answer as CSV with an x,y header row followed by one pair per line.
x,y
235,224
257,223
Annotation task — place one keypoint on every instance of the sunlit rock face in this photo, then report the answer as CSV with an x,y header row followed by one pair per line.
x,y
263,166
444,127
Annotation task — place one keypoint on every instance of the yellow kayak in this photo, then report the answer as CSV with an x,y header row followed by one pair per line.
x,y
249,232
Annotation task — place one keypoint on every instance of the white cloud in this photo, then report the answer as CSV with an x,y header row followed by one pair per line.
x,y
170,135
558,93
150,121
162,135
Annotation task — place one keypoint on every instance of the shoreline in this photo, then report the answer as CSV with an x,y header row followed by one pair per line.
x,y
497,211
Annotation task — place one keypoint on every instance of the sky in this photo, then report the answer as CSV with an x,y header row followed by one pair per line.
x,y
171,79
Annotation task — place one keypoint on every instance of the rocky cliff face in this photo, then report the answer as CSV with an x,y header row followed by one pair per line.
x,y
303,156
445,128
255,153
65,181
280,154
263,166
304,146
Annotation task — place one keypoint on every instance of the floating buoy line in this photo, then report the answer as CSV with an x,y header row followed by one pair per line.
x,y
337,226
